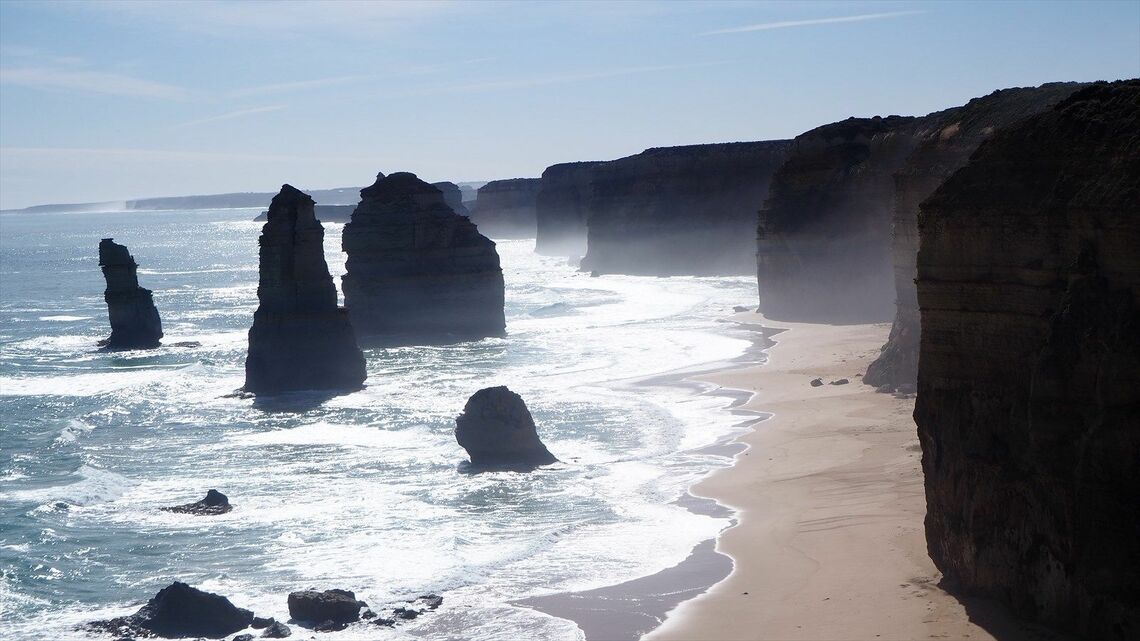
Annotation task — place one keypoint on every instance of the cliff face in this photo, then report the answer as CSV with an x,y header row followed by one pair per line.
x,y
453,196
562,208
824,237
134,319
300,339
417,271
944,144
1028,405
680,210
506,208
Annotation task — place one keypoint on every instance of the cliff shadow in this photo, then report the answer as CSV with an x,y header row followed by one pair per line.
x,y
997,619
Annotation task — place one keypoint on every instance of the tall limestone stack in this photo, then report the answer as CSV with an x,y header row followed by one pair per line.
x,y
417,271
453,196
823,248
562,208
944,145
680,210
505,208
300,339
134,319
1028,405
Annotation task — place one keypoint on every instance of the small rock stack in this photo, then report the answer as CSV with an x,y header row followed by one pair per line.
x,y
134,319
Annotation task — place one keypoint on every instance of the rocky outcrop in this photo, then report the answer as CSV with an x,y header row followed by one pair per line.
x,y
324,213
177,611
134,319
1028,405
497,430
562,208
337,607
214,504
417,271
300,339
506,208
680,210
943,145
453,197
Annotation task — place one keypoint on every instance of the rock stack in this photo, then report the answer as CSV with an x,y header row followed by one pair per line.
x,y
417,271
134,319
497,430
1029,368
300,339
505,208
562,208
453,196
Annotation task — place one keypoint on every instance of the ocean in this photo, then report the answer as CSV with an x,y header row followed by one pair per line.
x,y
365,491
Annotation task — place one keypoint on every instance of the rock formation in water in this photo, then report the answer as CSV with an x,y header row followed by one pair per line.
x,y
497,430
178,611
214,504
134,319
300,339
943,145
680,210
505,208
1028,405
336,607
562,207
453,197
417,271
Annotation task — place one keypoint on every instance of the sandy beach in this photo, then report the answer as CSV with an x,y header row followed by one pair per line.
x,y
830,501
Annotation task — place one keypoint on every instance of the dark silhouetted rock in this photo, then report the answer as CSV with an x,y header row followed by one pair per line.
x,y
842,381
215,503
432,601
497,429
944,144
680,210
276,630
417,271
260,623
453,196
179,610
562,208
134,319
335,606
243,637
817,382
1028,405
300,339
506,208
384,622
406,613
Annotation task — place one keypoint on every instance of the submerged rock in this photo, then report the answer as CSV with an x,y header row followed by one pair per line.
x,y
179,610
1029,371
497,430
215,503
506,208
417,271
300,339
337,607
134,319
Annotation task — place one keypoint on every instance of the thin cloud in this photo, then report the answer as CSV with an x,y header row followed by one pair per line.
x,y
230,115
523,83
301,85
785,24
90,82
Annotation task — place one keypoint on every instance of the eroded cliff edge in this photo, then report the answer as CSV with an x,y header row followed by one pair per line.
x,y
1028,405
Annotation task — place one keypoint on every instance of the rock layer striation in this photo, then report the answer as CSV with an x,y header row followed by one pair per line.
x,y
417,271
300,339
134,319
1028,405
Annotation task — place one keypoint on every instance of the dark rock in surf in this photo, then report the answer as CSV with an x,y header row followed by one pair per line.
x,y
260,623
215,503
817,382
276,630
842,381
300,339
134,319
417,271
432,601
240,637
179,610
334,606
497,430
406,614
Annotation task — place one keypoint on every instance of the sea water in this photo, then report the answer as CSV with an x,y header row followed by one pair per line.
x,y
365,491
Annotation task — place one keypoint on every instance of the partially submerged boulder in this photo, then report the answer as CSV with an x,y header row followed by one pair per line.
x,y
134,319
496,429
329,606
180,610
215,503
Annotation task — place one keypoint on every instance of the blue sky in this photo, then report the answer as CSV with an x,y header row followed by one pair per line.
x,y
116,100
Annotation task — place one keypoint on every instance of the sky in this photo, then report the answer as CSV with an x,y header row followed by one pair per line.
x,y
116,100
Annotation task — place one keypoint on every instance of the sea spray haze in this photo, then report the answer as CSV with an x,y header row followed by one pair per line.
x,y
365,491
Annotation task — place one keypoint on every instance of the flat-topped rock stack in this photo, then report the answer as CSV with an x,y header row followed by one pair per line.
x,y
417,272
506,208
453,196
300,339
562,208
135,323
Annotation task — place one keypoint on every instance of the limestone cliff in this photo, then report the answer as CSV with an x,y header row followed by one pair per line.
x,y
680,210
300,339
453,196
1028,405
417,272
134,319
505,208
562,207
944,144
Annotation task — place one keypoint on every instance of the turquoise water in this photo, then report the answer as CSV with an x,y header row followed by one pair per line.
x,y
364,491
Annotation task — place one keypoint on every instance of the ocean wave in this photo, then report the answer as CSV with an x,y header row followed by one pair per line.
x,y
93,485
64,318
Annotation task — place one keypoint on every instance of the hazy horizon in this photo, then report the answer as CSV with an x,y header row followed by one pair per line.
x,y
114,101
